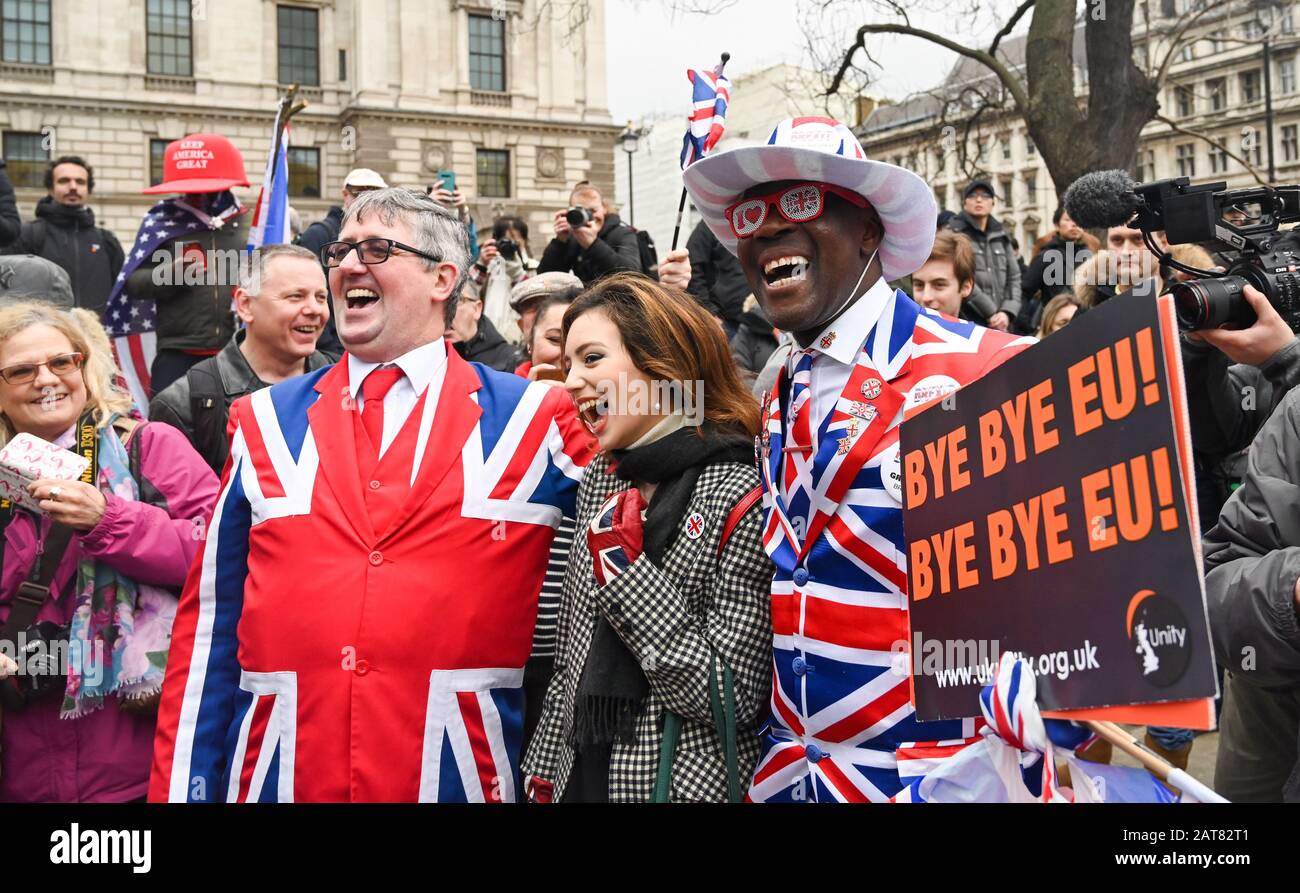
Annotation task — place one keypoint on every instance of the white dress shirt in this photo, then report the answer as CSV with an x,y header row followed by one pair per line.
x,y
833,363
424,367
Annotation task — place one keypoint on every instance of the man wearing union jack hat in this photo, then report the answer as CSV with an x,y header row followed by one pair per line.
x,y
818,228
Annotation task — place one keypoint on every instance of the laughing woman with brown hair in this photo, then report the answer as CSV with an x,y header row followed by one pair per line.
x,y
664,627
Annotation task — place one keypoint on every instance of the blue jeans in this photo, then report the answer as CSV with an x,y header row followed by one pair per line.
x,y
1172,739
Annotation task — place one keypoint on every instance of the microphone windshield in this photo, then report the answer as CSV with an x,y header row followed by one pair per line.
x,y
1101,199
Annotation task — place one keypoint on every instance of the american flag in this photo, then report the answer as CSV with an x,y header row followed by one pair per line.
x,y
711,96
130,322
270,224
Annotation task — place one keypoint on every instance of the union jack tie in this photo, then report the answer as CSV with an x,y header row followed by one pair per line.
x,y
799,447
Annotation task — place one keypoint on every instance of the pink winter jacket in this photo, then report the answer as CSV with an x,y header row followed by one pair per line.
x,y
105,755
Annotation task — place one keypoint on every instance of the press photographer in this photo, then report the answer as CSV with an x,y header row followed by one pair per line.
x,y
1252,556
590,242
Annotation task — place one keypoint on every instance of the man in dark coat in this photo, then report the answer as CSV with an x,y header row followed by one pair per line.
x,y
716,277
599,247
997,274
64,232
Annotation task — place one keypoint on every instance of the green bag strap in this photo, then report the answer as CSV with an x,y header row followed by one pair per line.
x,y
667,750
724,720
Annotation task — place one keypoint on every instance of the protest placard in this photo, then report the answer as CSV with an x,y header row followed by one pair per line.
x,y
1049,512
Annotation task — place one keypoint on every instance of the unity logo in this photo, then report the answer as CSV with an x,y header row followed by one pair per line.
x,y
1159,633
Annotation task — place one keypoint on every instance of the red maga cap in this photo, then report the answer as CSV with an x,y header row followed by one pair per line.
x,y
200,162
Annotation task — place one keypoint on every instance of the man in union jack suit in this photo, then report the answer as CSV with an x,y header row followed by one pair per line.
x,y
357,622
818,229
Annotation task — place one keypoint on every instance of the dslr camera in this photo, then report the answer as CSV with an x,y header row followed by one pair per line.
x,y
508,248
1245,221
578,216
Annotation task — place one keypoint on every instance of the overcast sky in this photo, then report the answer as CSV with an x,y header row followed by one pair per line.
x,y
650,47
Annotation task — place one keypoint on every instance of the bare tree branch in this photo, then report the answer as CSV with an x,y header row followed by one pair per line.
x,y
1011,24
986,59
1250,168
1180,33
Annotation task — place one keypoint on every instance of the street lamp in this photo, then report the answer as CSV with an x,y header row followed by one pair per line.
x,y
630,141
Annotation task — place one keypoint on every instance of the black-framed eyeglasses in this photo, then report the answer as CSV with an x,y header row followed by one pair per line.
x,y
62,366
369,251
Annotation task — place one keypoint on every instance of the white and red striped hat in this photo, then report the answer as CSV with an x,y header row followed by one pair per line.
x,y
825,151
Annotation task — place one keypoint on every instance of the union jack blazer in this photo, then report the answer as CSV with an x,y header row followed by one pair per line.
x,y
317,658
842,726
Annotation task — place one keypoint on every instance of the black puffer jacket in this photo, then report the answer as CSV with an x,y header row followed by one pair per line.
x,y
754,340
615,249
716,275
997,274
10,222
90,255
488,348
195,317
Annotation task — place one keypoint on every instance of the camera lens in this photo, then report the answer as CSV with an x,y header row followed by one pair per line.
x,y
577,216
508,248
1211,303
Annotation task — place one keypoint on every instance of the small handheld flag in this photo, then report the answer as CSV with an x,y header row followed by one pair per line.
x,y
710,96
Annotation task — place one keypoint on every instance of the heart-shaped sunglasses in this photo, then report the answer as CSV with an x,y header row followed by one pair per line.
x,y
798,204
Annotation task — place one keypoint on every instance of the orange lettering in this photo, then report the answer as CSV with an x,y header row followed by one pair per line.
x,y
1082,394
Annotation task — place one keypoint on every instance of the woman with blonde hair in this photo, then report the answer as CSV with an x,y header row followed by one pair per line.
x,y
663,662
1059,312
85,579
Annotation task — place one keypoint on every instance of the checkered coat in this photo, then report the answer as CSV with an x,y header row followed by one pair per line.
x,y
668,617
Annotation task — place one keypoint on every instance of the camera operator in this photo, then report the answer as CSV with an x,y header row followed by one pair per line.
x,y
1252,587
503,262
589,241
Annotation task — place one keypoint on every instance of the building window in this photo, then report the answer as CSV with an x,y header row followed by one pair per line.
x,y
1030,149
1186,159
1146,166
1188,52
1031,231
1286,75
1218,90
1250,30
1006,148
1218,159
167,28
343,65
157,154
1031,189
493,173
912,163
27,157
1249,81
304,173
26,31
1290,143
1253,154
938,159
1004,187
1184,102
299,45
941,197
487,54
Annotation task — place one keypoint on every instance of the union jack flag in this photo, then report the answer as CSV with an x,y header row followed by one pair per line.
x,y
607,547
130,322
270,224
711,96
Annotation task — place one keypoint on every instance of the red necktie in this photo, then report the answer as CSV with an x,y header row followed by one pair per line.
x,y
376,386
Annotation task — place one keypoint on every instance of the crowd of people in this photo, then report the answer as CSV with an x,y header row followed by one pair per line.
x,y
417,514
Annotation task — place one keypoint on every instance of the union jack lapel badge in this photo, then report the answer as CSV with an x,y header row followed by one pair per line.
x,y
871,388
694,526
827,340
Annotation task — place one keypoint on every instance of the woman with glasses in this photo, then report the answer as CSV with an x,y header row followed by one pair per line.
x,y
78,720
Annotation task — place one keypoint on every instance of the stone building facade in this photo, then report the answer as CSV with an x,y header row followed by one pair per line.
x,y
496,90
1214,88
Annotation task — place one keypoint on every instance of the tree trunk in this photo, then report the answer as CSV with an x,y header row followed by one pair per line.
x,y
1121,99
